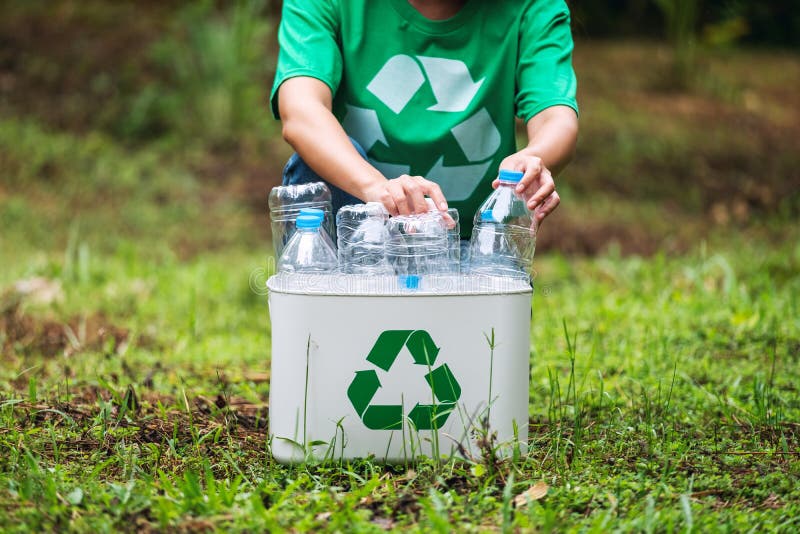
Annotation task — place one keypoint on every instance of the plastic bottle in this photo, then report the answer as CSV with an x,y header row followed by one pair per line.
x,y
362,236
417,246
320,214
451,221
504,234
285,203
307,251
454,241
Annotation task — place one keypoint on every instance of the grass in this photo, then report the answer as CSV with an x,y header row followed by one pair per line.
x,y
134,360
663,397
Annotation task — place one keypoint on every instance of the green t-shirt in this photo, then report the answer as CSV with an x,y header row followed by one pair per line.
x,y
432,98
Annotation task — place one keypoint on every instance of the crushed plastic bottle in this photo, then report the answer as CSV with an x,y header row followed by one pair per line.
x,y
362,236
307,251
503,239
451,221
417,246
453,241
285,203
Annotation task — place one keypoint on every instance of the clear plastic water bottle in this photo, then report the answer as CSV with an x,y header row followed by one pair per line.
x,y
319,214
362,236
504,234
285,203
417,246
307,251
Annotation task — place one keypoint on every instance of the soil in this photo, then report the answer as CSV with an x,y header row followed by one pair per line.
x,y
24,333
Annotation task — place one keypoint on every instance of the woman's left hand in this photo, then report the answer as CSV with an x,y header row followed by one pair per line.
x,y
536,187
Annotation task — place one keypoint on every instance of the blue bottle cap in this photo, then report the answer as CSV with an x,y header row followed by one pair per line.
x,y
487,215
409,281
307,221
510,176
315,212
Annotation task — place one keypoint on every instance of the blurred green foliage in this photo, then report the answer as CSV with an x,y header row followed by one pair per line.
x,y
95,88
54,185
763,22
681,20
210,62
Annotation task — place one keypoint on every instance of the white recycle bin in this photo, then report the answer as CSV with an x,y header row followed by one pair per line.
x,y
362,367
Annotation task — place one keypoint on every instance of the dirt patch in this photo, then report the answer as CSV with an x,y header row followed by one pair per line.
x,y
725,151
245,177
22,333
234,187
569,235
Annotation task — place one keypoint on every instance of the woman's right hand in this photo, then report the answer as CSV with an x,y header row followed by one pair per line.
x,y
405,195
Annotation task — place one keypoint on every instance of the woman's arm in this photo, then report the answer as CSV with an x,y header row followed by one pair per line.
x,y
552,136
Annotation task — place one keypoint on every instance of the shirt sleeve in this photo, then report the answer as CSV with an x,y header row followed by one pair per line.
x,y
308,40
544,76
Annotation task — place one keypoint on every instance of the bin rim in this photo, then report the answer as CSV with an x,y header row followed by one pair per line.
x,y
316,286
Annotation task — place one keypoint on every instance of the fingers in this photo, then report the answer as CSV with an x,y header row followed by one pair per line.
x,y
380,192
388,202
548,206
514,162
433,190
398,195
533,168
546,188
449,222
536,183
406,195
414,195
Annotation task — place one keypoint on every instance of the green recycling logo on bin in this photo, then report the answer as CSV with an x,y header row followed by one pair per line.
x,y
444,387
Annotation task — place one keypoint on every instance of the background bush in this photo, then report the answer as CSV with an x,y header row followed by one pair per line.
x,y
767,22
210,64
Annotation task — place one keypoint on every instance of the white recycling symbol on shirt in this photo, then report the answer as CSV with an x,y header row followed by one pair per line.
x,y
395,85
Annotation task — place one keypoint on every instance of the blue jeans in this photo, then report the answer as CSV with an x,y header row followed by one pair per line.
x,y
297,171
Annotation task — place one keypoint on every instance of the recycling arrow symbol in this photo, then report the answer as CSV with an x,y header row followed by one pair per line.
x,y
444,387
454,90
